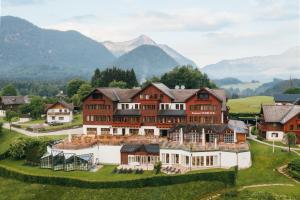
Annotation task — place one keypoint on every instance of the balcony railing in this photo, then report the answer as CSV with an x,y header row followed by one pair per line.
x,y
126,124
58,113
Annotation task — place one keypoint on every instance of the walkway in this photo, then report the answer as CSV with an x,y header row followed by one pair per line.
x,y
75,131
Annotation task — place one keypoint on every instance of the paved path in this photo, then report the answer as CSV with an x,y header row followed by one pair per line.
x,y
253,137
75,131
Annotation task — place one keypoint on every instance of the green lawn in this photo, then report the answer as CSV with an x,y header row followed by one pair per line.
x,y
27,191
103,174
264,163
77,121
248,104
7,138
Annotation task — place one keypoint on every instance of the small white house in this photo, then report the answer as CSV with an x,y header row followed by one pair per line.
x,y
59,112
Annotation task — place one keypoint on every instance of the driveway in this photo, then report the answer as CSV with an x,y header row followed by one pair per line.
x,y
75,131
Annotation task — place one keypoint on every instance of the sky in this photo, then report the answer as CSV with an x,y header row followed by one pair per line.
x,y
206,31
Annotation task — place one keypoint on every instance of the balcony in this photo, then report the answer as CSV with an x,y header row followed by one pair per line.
x,y
126,124
196,147
58,113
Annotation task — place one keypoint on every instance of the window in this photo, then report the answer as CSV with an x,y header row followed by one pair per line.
x,y
134,131
177,106
274,135
136,106
167,158
229,138
181,106
150,119
105,131
291,127
203,96
97,96
212,137
115,131
53,118
141,96
91,130
61,118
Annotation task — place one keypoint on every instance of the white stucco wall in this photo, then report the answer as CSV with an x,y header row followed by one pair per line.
x,y
2,113
106,154
269,136
225,159
119,129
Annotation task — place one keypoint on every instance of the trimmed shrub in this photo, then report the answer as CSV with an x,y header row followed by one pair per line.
x,y
157,167
226,177
294,168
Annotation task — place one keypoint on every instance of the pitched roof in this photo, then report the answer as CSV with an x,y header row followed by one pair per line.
x,y
118,94
14,100
280,113
181,95
238,126
65,104
131,148
289,98
215,128
162,87
295,110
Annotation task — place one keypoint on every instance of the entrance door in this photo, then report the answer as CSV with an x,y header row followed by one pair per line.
x,y
123,131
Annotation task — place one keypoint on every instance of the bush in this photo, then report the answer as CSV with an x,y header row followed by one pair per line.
x,y
157,167
1,127
259,137
226,177
30,149
115,170
294,168
230,194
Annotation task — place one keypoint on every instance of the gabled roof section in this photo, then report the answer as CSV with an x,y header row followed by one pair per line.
x,y
14,100
63,103
131,148
275,113
289,98
118,94
295,110
238,126
181,95
160,86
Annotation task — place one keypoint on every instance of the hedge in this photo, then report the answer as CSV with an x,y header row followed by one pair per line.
x,y
226,177
294,168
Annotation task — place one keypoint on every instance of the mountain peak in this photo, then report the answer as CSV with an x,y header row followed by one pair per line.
x,y
144,39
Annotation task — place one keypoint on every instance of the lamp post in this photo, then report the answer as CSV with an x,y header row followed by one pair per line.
x,y
191,149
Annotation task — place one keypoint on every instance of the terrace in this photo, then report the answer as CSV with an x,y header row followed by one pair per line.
x,y
196,147
85,141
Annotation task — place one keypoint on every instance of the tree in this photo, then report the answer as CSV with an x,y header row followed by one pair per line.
x,y
188,76
151,80
9,116
96,78
157,167
9,90
35,108
84,90
118,84
295,90
73,86
290,139
76,100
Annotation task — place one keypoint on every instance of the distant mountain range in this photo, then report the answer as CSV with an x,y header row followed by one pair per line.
x,y
50,54
261,68
120,48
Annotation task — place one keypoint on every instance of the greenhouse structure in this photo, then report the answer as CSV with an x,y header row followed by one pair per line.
x,y
58,160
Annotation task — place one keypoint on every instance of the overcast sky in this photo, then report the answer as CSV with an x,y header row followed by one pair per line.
x,y
204,31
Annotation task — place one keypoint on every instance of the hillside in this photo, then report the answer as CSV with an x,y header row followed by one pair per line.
x,y
147,60
227,81
23,44
261,68
248,104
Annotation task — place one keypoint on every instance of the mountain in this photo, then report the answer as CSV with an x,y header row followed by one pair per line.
x,y
147,61
262,68
23,44
120,48
226,81
280,86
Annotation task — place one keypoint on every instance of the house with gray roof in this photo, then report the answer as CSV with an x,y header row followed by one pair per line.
x,y
277,120
12,103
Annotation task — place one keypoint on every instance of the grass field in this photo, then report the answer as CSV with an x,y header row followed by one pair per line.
x,y
248,104
77,121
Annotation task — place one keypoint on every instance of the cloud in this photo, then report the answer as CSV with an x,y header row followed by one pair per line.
x,y
6,3
275,10
184,20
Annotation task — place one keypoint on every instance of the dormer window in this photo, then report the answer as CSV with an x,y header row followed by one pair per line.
x,y
97,96
203,95
141,96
